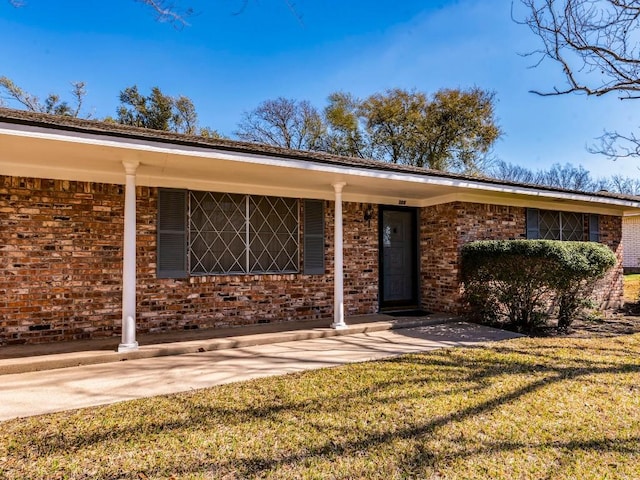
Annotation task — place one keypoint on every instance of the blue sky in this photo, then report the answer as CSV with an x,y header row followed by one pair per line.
x,y
228,62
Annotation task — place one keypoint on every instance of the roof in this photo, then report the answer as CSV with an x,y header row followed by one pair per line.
x,y
124,131
57,147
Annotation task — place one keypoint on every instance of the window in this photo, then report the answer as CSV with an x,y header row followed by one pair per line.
x,y
242,234
217,233
226,233
569,226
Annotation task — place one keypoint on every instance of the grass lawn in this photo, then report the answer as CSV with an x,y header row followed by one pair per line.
x,y
632,287
565,408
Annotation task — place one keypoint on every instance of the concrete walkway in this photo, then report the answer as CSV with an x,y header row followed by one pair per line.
x,y
39,392
30,358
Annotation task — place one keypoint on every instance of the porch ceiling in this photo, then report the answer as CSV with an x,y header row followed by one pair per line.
x,y
47,153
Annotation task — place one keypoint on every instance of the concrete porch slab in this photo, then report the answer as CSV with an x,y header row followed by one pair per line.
x,y
31,358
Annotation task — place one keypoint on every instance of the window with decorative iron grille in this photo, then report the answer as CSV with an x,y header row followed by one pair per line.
x,y
554,225
236,234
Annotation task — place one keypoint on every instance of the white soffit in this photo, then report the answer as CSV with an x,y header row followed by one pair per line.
x,y
178,166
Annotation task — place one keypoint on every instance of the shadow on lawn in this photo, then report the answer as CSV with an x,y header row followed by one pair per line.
x,y
257,465
459,372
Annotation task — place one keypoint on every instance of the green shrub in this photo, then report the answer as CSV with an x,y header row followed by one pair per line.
x,y
585,264
511,281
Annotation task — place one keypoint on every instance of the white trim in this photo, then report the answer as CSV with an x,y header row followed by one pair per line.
x,y
307,165
515,201
129,281
338,262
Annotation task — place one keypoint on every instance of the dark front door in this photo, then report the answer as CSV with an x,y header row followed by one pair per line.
x,y
398,258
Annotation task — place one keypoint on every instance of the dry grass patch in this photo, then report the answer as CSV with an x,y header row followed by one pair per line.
x,y
632,287
524,409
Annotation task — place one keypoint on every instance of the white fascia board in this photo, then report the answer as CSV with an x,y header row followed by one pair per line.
x,y
523,202
308,165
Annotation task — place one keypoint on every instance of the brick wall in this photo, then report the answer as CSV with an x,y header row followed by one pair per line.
x,y
60,259
230,300
61,264
608,291
631,242
444,229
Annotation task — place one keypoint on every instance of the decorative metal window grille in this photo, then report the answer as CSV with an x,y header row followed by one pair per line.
x,y
235,234
273,234
549,225
572,226
561,225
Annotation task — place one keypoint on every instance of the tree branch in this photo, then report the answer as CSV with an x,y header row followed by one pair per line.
x,y
594,41
167,12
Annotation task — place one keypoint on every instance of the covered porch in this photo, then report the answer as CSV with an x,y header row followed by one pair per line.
x,y
93,152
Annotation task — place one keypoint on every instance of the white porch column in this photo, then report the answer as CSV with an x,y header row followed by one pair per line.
x,y
338,276
129,342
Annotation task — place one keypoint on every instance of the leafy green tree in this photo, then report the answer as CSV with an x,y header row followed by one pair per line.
x,y
344,134
460,129
159,112
185,117
452,130
207,132
154,111
395,124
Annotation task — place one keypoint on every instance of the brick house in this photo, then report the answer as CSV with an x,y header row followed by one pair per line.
x,y
110,230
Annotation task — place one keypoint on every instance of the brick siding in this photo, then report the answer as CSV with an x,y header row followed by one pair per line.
x,y
444,229
631,242
608,292
61,264
231,300
60,258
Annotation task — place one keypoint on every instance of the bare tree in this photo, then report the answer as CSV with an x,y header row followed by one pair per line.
x,y
51,104
511,172
285,123
595,42
167,11
566,176
616,145
626,185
